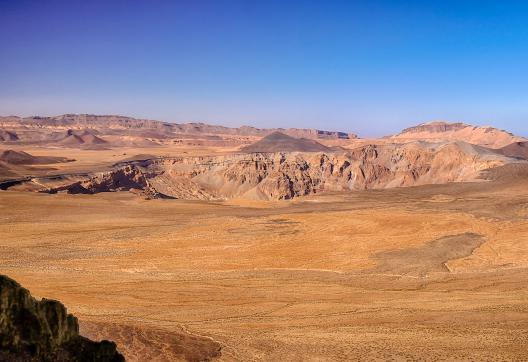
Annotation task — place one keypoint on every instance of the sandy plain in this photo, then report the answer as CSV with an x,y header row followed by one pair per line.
x,y
423,273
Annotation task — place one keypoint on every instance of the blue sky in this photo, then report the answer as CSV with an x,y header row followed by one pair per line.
x,y
372,67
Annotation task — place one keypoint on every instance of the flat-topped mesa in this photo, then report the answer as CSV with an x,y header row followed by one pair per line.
x,y
32,330
115,122
445,131
435,127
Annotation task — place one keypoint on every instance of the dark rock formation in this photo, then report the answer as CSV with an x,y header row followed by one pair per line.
x,y
7,136
516,149
24,158
279,142
32,330
78,137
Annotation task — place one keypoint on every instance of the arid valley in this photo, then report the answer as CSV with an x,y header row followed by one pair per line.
x,y
263,181
197,242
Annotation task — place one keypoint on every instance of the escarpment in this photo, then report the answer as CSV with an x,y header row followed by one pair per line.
x,y
283,175
32,330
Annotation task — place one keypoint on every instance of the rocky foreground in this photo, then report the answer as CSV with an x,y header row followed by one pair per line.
x,y
32,330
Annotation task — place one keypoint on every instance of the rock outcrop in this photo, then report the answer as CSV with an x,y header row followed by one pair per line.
x,y
32,330
127,178
445,131
288,175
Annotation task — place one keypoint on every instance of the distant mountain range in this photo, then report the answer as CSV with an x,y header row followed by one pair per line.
x,y
115,124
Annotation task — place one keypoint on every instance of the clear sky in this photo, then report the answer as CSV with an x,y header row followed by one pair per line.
x,y
371,67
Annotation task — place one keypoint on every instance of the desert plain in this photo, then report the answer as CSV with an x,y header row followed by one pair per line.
x,y
428,272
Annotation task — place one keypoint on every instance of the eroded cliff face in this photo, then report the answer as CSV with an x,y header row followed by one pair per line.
x,y
288,175
127,178
32,330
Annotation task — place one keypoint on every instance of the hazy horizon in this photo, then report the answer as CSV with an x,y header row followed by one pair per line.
x,y
371,68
